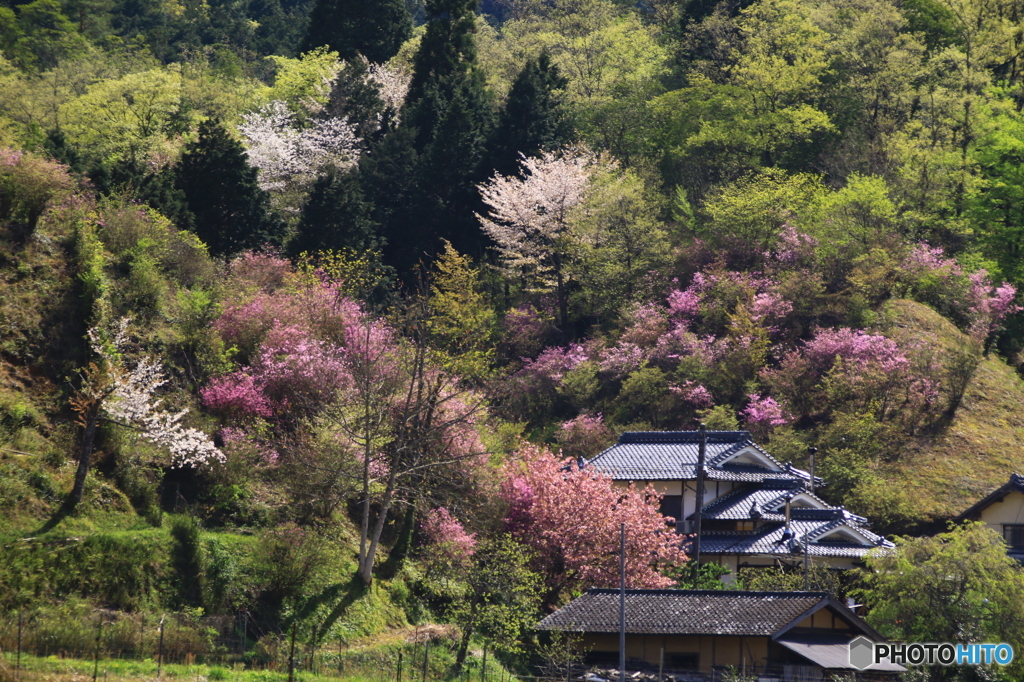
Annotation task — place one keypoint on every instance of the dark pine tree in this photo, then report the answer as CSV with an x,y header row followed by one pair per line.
x,y
336,216
534,118
446,121
231,212
372,28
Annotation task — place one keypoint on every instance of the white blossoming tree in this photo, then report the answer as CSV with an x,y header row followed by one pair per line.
x,y
392,84
284,152
530,217
111,391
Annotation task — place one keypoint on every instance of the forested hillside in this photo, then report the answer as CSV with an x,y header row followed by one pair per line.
x,y
302,299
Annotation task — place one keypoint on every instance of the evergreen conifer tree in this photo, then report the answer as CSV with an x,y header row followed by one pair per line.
x,y
231,212
336,216
534,117
372,28
356,98
446,121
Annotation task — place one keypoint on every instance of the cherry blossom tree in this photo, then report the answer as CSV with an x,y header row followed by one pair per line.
x,y
112,391
284,152
571,518
399,425
392,83
529,218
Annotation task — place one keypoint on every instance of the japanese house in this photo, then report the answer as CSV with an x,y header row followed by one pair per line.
x,y
779,636
756,511
1002,510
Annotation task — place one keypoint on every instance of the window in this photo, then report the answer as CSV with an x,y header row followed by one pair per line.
x,y
685,661
1014,535
671,505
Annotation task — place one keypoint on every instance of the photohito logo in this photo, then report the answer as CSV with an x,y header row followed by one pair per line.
x,y
864,653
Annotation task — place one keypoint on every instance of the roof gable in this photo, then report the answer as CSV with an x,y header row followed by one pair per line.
x,y
672,455
1015,484
807,525
750,455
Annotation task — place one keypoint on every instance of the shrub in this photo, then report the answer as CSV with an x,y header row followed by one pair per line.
x,y
28,185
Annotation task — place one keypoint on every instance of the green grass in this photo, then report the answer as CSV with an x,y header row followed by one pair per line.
x,y
941,474
369,663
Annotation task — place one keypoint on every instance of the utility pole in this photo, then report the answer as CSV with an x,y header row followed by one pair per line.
x,y
811,452
622,602
702,447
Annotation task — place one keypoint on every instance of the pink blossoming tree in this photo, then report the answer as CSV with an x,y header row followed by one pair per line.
x,y
571,518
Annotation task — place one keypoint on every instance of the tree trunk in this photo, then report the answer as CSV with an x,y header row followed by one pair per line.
x,y
84,458
369,543
460,657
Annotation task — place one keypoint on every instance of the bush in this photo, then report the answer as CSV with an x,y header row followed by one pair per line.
x,y
28,185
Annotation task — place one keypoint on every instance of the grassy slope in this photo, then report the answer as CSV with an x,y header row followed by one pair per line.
x,y
944,473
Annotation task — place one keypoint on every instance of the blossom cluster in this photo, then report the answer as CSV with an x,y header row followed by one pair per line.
x,y
571,517
131,403
283,151
447,539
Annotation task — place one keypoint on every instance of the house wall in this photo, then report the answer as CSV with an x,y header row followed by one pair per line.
x,y
688,489
711,650
825,619
1010,510
734,562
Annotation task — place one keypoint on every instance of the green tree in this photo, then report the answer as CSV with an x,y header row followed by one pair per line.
x,y
996,204
620,241
757,104
231,212
41,36
336,216
612,61
958,586
754,207
439,147
373,29
502,598
535,117
461,322
125,119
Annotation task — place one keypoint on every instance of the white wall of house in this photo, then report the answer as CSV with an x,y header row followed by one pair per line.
x,y
712,491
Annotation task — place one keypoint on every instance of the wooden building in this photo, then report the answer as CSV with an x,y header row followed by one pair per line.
x,y
1002,510
777,636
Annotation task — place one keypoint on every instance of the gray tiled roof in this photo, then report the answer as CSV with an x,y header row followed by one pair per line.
x,y
672,455
806,523
712,612
736,505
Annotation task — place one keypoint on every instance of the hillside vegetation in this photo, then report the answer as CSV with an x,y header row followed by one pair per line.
x,y
302,303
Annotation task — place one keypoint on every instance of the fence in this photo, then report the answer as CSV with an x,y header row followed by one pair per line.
x,y
233,642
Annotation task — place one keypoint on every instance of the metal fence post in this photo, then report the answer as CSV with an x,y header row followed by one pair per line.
x,y
291,657
17,665
96,659
160,651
